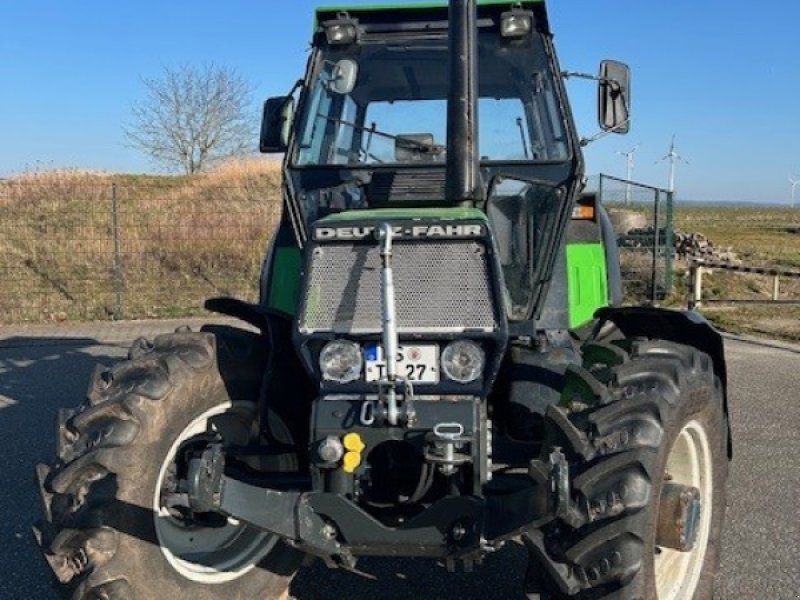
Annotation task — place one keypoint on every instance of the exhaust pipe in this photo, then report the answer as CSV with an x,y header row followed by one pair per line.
x,y
464,184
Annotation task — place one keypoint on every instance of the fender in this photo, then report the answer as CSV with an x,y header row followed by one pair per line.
x,y
682,327
286,391
259,316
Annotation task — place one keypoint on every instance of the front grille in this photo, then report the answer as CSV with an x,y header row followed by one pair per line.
x,y
441,286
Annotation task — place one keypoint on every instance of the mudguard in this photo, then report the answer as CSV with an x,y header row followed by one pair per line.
x,y
286,392
682,327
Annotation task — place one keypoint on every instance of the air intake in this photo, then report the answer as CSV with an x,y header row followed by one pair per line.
x,y
441,286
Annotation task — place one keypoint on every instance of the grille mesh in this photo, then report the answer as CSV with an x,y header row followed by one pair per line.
x,y
439,286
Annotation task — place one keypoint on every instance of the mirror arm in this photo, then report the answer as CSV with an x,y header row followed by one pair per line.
x,y
577,75
299,84
602,134
599,136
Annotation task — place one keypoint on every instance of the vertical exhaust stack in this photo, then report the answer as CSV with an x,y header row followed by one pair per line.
x,y
464,184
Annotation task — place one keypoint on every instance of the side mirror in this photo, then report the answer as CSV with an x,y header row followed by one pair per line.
x,y
343,77
276,124
614,100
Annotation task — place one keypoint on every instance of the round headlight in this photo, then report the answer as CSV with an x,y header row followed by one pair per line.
x,y
463,361
341,361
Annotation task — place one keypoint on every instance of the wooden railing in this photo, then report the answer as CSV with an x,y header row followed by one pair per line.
x,y
699,267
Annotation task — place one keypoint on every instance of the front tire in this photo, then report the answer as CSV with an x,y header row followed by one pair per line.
x,y
637,418
114,527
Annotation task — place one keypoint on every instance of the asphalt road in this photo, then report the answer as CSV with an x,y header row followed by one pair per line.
x,y
42,369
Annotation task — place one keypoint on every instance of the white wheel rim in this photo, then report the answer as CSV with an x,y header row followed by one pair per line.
x,y
203,554
689,463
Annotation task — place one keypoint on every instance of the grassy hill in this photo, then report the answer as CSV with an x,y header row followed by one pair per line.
x,y
77,245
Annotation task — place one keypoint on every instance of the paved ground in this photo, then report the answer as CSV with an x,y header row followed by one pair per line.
x,y
43,368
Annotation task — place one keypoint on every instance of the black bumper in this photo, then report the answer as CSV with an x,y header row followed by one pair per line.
x,y
332,527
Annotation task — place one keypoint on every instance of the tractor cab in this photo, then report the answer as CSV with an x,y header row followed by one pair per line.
x,y
384,119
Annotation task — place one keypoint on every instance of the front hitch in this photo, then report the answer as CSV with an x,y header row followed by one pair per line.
x,y
336,529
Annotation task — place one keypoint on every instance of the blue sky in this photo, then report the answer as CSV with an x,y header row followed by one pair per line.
x,y
723,76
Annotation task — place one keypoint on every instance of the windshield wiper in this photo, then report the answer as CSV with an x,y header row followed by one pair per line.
x,y
521,127
434,149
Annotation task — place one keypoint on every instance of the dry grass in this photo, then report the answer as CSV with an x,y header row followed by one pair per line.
x,y
181,240
781,322
761,236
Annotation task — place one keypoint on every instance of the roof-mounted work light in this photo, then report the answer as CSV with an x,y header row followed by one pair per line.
x,y
342,31
516,23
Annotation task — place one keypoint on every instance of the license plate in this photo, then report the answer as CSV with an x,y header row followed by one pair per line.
x,y
419,364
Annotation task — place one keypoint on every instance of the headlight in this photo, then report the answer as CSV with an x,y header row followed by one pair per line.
x,y
516,23
341,361
341,32
463,361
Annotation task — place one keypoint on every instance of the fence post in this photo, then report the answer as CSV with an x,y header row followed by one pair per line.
x,y
697,285
669,242
656,236
118,282
776,287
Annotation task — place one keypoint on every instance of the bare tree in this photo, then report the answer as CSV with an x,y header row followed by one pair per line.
x,y
193,117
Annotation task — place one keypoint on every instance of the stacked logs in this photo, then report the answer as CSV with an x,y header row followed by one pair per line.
x,y
696,245
686,245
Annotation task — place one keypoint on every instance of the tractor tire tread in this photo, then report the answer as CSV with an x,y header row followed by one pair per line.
x,y
613,447
95,448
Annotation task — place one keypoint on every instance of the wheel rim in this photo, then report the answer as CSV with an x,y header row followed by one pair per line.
x,y
689,464
209,555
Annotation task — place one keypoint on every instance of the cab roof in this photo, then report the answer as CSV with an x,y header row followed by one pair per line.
x,y
436,9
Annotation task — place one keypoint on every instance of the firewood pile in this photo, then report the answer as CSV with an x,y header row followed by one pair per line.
x,y
696,245
686,245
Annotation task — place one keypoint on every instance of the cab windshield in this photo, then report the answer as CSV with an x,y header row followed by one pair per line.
x,y
394,112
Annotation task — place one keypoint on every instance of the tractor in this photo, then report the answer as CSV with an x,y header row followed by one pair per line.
x,y
439,364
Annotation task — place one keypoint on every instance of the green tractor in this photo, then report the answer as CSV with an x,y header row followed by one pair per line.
x,y
438,365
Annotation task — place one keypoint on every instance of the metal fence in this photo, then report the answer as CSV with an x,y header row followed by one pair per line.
x,y
75,249
79,248
643,221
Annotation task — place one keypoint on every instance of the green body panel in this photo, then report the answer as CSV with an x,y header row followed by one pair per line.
x,y
587,278
587,275
410,6
284,286
444,214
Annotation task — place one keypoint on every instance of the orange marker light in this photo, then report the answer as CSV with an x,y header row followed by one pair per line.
x,y
583,213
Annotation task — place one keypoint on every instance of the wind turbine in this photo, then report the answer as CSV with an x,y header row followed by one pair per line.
x,y
629,160
673,157
795,183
